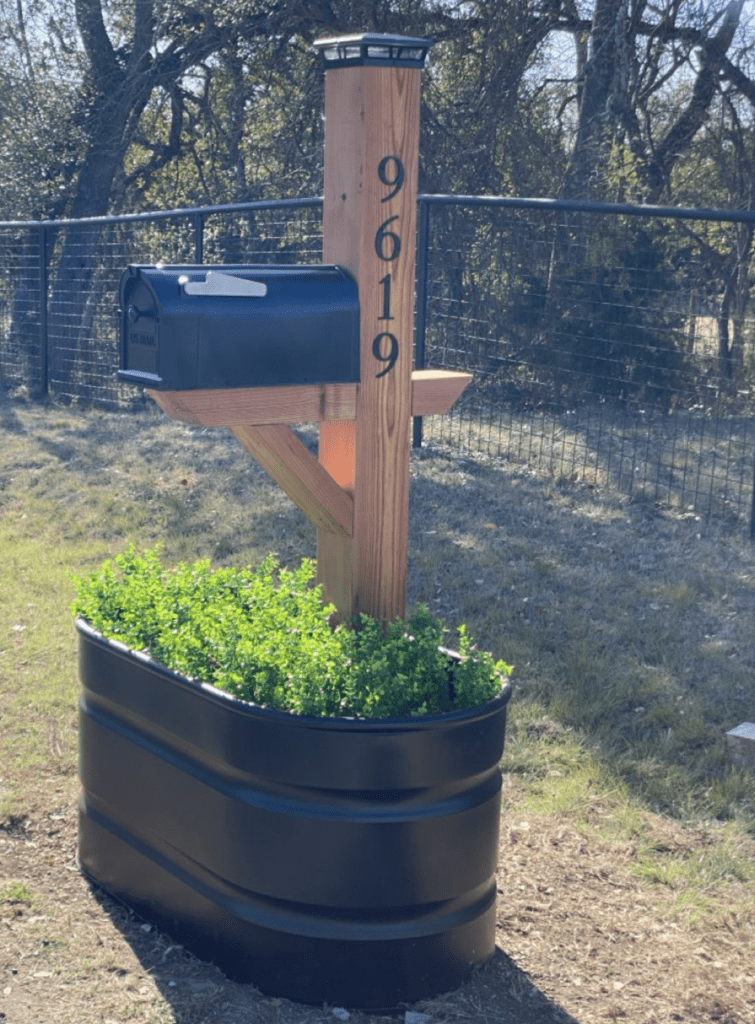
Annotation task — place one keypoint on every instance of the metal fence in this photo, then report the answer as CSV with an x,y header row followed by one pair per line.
x,y
59,284
607,342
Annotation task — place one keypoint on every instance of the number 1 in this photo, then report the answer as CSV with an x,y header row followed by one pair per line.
x,y
386,283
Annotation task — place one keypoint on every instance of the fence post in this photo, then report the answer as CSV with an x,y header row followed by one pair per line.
x,y
421,314
44,359
198,237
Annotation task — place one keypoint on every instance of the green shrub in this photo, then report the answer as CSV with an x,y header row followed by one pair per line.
x,y
264,636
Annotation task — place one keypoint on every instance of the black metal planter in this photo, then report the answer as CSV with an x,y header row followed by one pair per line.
x,y
325,860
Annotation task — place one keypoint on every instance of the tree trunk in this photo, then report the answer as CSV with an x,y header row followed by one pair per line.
x,y
678,138
598,84
121,90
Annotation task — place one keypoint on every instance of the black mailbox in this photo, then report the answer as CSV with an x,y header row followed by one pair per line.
x,y
189,327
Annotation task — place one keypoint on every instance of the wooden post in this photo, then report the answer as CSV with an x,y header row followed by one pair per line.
x,y
357,491
369,227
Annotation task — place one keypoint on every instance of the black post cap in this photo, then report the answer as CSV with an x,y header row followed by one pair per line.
x,y
373,50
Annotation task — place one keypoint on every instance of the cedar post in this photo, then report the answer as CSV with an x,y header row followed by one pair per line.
x,y
369,227
357,491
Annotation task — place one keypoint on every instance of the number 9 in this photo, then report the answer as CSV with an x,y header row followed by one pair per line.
x,y
396,181
392,354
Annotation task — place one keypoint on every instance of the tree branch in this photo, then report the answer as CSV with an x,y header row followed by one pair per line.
x,y
738,79
164,153
680,135
107,73
144,30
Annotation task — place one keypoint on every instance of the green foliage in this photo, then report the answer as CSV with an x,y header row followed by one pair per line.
x,y
264,636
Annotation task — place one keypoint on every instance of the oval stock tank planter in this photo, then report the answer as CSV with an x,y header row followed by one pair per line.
x,y
334,860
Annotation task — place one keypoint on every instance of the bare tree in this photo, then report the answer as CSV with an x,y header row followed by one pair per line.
x,y
633,57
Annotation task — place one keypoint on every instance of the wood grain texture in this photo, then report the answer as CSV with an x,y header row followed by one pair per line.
x,y
297,472
372,114
433,393
344,138
222,407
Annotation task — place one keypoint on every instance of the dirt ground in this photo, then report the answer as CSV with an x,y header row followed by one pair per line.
x,y
580,938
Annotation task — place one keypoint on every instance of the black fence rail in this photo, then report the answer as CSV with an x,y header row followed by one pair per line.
x,y
608,342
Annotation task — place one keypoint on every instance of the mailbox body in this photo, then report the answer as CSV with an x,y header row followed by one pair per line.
x,y
179,334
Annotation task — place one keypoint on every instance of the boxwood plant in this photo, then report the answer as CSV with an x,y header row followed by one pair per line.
x,y
264,636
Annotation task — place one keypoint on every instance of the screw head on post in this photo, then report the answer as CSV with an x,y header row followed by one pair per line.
x,y
373,50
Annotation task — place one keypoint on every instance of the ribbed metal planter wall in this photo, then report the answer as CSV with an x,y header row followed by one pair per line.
x,y
326,860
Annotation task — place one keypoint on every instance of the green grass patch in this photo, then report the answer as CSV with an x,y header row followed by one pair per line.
x,y
629,627
567,778
17,894
721,857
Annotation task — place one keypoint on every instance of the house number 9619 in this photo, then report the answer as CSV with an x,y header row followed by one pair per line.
x,y
385,347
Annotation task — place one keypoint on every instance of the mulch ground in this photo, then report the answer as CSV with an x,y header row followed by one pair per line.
x,y
579,936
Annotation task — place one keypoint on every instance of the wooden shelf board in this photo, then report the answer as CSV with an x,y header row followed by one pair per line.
x,y
433,393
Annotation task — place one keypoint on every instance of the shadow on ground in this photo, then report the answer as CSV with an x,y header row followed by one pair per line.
x,y
9,420
198,991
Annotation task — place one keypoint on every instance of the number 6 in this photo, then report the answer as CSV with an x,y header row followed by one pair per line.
x,y
389,240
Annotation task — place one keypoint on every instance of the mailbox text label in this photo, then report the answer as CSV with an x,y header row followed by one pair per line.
x,y
142,338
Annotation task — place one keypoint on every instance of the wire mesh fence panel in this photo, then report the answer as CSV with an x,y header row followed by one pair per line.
x,y
264,236
22,357
603,347
89,258
83,323
606,344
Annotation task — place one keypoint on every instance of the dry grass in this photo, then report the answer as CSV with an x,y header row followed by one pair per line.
x,y
627,858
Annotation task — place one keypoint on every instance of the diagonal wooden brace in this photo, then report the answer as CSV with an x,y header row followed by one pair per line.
x,y
298,473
